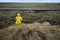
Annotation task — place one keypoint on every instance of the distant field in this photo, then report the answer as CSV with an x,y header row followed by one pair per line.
x,y
30,5
8,17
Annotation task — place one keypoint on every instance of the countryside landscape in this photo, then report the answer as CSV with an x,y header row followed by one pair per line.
x,y
37,25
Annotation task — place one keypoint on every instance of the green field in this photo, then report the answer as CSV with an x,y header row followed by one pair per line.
x,y
30,5
8,17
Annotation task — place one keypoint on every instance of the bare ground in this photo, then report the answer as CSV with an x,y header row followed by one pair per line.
x,y
34,31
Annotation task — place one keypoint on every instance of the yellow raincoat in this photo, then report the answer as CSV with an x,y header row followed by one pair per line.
x,y
18,19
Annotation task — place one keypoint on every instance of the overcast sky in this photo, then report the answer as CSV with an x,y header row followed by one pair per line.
x,y
33,1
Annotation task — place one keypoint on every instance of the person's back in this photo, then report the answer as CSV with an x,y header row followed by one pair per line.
x,y
18,19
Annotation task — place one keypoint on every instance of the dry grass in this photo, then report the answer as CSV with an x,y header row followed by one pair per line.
x,y
34,31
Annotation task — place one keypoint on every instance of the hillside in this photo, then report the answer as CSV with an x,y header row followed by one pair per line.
x,y
34,31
